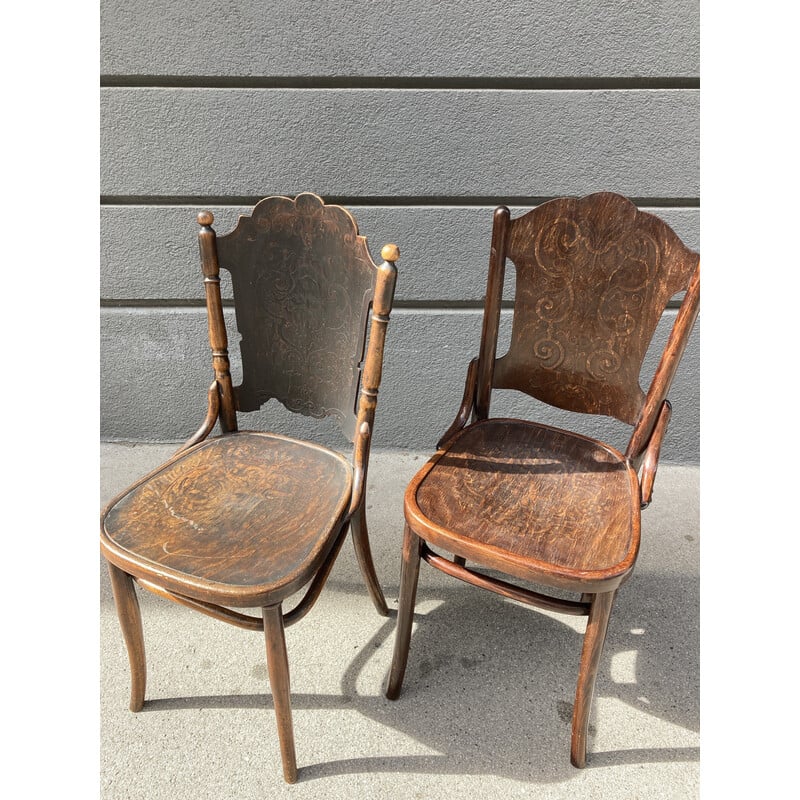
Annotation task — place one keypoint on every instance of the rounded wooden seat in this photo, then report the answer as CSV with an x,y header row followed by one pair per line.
x,y
537,502
229,520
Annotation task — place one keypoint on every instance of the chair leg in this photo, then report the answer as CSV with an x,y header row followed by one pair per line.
x,y
409,577
358,526
590,659
278,667
130,620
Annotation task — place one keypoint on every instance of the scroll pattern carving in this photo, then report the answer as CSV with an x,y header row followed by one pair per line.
x,y
302,283
593,277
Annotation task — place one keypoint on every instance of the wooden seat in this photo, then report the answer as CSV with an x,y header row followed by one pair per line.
x,y
546,527
231,517
247,519
539,504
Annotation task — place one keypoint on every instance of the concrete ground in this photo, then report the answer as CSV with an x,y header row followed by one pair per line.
x,y
486,703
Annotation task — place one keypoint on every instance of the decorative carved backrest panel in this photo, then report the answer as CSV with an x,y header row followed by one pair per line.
x,y
593,277
303,281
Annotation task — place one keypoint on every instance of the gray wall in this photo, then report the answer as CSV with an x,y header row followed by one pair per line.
x,y
418,116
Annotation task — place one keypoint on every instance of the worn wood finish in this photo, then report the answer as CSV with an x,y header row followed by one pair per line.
x,y
651,455
593,277
659,387
278,668
501,587
529,500
379,321
467,404
593,641
315,587
217,334
366,404
230,519
248,519
491,312
358,527
130,619
245,621
210,420
409,577
302,284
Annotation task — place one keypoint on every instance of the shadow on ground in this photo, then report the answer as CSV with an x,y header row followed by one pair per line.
x,y
490,683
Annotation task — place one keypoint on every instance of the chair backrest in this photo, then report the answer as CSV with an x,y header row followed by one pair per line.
x,y
303,284
593,278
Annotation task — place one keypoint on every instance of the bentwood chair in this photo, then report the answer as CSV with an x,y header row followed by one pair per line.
x,y
536,503
247,519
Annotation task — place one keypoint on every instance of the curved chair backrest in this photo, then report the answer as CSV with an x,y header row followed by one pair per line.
x,y
303,283
593,278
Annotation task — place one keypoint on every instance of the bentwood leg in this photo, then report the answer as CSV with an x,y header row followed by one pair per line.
x,y
409,576
358,525
130,620
278,667
590,659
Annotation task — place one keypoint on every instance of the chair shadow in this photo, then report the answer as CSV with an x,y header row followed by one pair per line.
x,y
503,676
490,684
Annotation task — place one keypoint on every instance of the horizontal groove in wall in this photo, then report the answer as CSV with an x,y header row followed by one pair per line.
x,y
422,306
395,201
393,82
406,305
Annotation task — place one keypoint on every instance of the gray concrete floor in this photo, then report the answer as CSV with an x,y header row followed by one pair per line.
x,y
485,708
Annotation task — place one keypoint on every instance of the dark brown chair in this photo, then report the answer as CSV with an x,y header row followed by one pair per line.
x,y
247,519
539,504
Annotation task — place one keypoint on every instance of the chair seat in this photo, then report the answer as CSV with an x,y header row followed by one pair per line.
x,y
539,503
229,521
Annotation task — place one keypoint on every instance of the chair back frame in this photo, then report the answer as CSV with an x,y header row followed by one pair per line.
x,y
303,284
593,278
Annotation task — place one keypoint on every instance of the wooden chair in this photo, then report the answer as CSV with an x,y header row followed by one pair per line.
x,y
246,519
539,504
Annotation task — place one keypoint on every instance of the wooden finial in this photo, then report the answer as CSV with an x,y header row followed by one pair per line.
x,y
390,252
205,218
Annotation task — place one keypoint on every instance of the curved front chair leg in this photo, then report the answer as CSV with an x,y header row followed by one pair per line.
x,y
358,527
278,667
593,641
409,577
130,620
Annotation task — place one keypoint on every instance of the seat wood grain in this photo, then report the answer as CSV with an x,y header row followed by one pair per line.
x,y
229,520
537,502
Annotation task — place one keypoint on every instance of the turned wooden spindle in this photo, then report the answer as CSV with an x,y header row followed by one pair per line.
x,y
217,334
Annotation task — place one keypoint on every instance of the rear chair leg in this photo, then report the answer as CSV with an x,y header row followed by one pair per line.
x,y
278,667
590,659
409,577
130,620
358,527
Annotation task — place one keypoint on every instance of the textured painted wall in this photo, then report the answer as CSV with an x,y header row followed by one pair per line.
x,y
466,38
420,117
